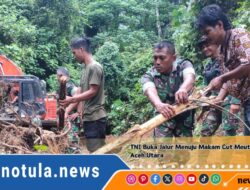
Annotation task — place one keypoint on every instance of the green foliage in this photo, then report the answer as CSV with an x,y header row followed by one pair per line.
x,y
108,55
183,31
17,36
125,102
41,148
113,15
243,15
14,26
52,83
74,72
124,115
35,34
142,62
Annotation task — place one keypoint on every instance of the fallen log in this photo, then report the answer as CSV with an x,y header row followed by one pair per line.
x,y
195,100
140,130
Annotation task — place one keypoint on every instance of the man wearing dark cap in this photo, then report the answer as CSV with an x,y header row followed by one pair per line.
x,y
214,118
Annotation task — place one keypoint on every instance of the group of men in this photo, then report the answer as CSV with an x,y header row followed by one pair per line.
x,y
171,81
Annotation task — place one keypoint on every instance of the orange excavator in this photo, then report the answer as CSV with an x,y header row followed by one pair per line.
x,y
27,93
8,67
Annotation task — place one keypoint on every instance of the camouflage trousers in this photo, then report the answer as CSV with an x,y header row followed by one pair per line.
x,y
73,137
73,134
180,126
247,117
215,118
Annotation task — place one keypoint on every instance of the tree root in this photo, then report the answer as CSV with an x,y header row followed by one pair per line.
x,y
21,140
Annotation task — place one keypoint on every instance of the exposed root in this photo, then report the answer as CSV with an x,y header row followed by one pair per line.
x,y
21,149
21,140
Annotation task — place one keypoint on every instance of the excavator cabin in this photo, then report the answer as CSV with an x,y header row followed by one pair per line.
x,y
25,94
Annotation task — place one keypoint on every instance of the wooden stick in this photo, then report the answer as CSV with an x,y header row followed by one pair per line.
x,y
62,96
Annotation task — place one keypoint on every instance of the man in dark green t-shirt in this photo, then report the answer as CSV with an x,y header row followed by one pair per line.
x,y
91,95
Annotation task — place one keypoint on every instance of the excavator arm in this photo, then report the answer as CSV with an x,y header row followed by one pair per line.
x,y
8,67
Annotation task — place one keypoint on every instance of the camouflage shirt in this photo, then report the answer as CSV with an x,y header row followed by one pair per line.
x,y
167,84
211,70
70,88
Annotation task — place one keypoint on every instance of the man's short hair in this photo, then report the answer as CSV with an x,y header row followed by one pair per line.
x,y
210,15
78,43
166,44
62,71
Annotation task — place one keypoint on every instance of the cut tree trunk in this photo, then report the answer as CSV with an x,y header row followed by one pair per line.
x,y
196,99
140,130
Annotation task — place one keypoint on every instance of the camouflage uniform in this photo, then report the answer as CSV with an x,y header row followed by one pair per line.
x,y
167,85
70,88
214,117
73,134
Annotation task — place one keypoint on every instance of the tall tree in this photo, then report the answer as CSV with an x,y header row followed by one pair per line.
x,y
158,24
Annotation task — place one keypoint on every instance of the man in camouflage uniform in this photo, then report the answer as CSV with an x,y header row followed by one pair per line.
x,y
71,90
169,81
214,117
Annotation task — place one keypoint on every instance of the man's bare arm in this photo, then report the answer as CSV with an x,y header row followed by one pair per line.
x,y
181,95
90,93
223,93
73,105
165,109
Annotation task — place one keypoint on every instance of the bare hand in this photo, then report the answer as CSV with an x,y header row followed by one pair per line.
x,y
166,110
218,101
234,108
63,79
66,101
73,116
181,96
215,84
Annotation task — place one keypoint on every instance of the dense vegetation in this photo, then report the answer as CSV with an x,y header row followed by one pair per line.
x,y
36,33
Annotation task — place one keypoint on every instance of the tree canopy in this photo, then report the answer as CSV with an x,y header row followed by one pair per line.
x,y
36,34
